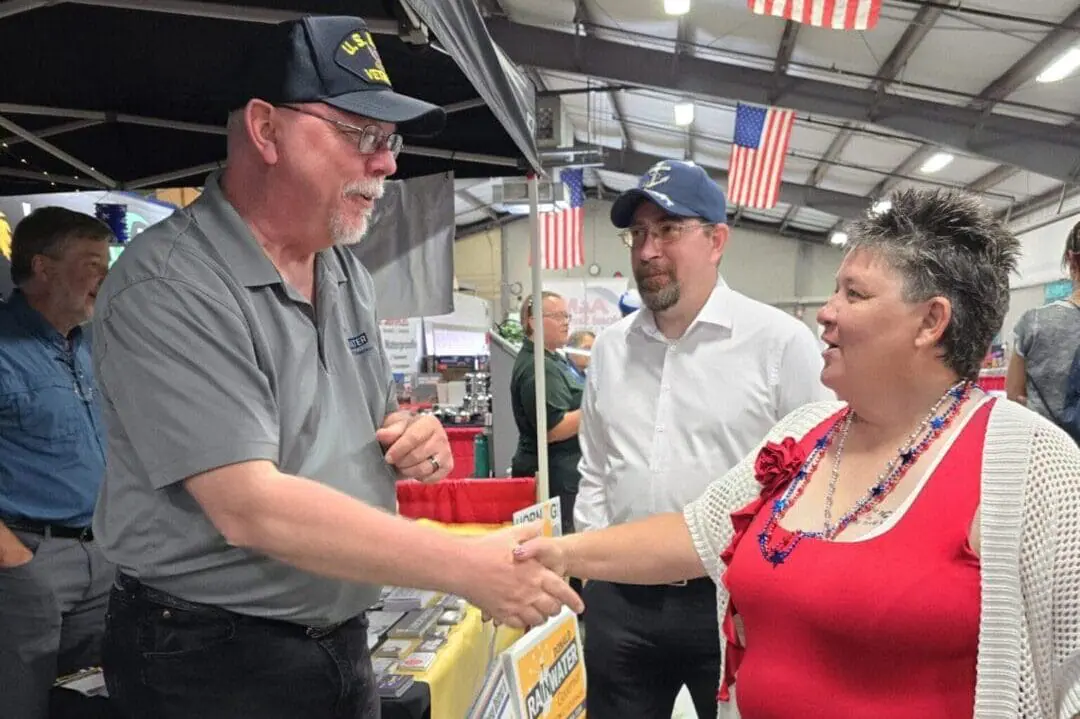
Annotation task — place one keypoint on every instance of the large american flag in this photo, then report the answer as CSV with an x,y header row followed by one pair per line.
x,y
834,14
562,233
757,155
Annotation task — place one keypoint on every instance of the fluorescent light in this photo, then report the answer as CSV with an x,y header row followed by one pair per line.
x,y
684,113
839,239
937,162
522,208
1062,67
881,207
676,7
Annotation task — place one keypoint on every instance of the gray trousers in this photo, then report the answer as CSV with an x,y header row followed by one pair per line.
x,y
52,618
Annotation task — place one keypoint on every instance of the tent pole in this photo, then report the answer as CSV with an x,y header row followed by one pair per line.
x,y
542,489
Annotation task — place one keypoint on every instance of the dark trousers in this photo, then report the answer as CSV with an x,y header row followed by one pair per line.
x,y
642,644
166,658
52,618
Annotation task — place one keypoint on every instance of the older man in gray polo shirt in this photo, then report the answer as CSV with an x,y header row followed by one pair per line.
x,y
253,434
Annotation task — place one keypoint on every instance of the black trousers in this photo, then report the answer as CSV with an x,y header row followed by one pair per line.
x,y
166,658
642,644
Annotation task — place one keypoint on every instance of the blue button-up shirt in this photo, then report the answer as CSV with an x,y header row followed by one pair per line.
x,y
52,444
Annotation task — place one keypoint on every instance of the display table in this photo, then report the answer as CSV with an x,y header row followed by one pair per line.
x,y
461,501
456,677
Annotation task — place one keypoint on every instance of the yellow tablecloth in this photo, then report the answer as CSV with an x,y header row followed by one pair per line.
x,y
457,675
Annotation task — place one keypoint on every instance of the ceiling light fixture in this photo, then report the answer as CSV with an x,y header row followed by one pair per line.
x,y
881,207
839,239
1062,67
937,162
684,113
676,7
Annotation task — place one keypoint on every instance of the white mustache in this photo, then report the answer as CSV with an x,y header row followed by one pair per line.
x,y
370,188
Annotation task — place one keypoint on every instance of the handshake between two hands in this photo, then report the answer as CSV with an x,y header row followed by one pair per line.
x,y
523,583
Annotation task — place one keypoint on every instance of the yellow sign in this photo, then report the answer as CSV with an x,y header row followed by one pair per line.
x,y
551,674
549,512
5,236
541,676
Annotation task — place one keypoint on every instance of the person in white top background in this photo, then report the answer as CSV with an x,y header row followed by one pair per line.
x,y
676,395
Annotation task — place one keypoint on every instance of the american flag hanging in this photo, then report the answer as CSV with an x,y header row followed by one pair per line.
x,y
833,14
757,155
562,233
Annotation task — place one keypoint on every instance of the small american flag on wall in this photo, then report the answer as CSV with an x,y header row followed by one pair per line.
x,y
562,232
757,155
833,14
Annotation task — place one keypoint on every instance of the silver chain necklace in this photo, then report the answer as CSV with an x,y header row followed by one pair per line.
x,y
881,515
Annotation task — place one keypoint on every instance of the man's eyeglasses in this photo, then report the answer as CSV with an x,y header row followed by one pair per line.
x,y
665,232
368,140
559,316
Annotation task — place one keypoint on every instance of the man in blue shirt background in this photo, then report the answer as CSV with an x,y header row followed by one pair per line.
x,y
54,582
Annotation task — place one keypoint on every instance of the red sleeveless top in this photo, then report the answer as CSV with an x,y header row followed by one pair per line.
x,y
886,627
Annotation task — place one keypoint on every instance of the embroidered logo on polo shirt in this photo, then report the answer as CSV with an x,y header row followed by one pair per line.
x,y
359,344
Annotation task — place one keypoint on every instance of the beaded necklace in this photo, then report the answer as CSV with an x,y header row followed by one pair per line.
x,y
932,426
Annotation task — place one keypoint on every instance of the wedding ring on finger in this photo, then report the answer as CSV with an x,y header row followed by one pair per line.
x,y
435,466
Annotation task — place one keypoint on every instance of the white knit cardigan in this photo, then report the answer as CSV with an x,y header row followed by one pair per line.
x,y
1029,628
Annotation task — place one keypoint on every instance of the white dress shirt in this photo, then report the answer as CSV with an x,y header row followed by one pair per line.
x,y
661,418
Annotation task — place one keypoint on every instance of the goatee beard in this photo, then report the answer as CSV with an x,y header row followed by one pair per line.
x,y
659,299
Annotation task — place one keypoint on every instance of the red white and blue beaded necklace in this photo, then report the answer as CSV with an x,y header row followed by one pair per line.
x,y
776,551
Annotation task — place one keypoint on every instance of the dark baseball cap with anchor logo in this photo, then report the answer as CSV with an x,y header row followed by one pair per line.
x,y
679,188
334,60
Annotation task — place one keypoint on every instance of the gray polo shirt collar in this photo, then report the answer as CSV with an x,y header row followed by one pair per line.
x,y
249,264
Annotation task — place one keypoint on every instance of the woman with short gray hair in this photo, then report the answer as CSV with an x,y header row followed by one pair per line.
x,y
937,580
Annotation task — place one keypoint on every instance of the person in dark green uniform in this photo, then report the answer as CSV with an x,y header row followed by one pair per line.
x,y
563,394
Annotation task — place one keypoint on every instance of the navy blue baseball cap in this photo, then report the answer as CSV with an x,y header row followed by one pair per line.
x,y
679,188
333,60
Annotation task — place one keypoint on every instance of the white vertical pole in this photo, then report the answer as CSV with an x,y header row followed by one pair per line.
x,y
542,491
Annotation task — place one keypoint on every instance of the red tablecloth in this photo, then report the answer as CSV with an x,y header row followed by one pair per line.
x,y
461,446
461,501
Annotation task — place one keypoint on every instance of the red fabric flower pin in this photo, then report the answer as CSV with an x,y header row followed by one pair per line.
x,y
777,464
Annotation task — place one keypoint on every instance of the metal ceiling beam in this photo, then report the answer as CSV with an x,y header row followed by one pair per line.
x,y
902,171
909,42
832,154
225,11
898,57
1037,58
1053,197
1041,147
788,41
56,152
53,131
1020,73
45,177
477,203
16,7
632,162
995,177
583,19
154,181
788,217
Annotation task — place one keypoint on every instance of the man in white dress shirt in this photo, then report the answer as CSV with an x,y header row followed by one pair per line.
x,y
676,395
